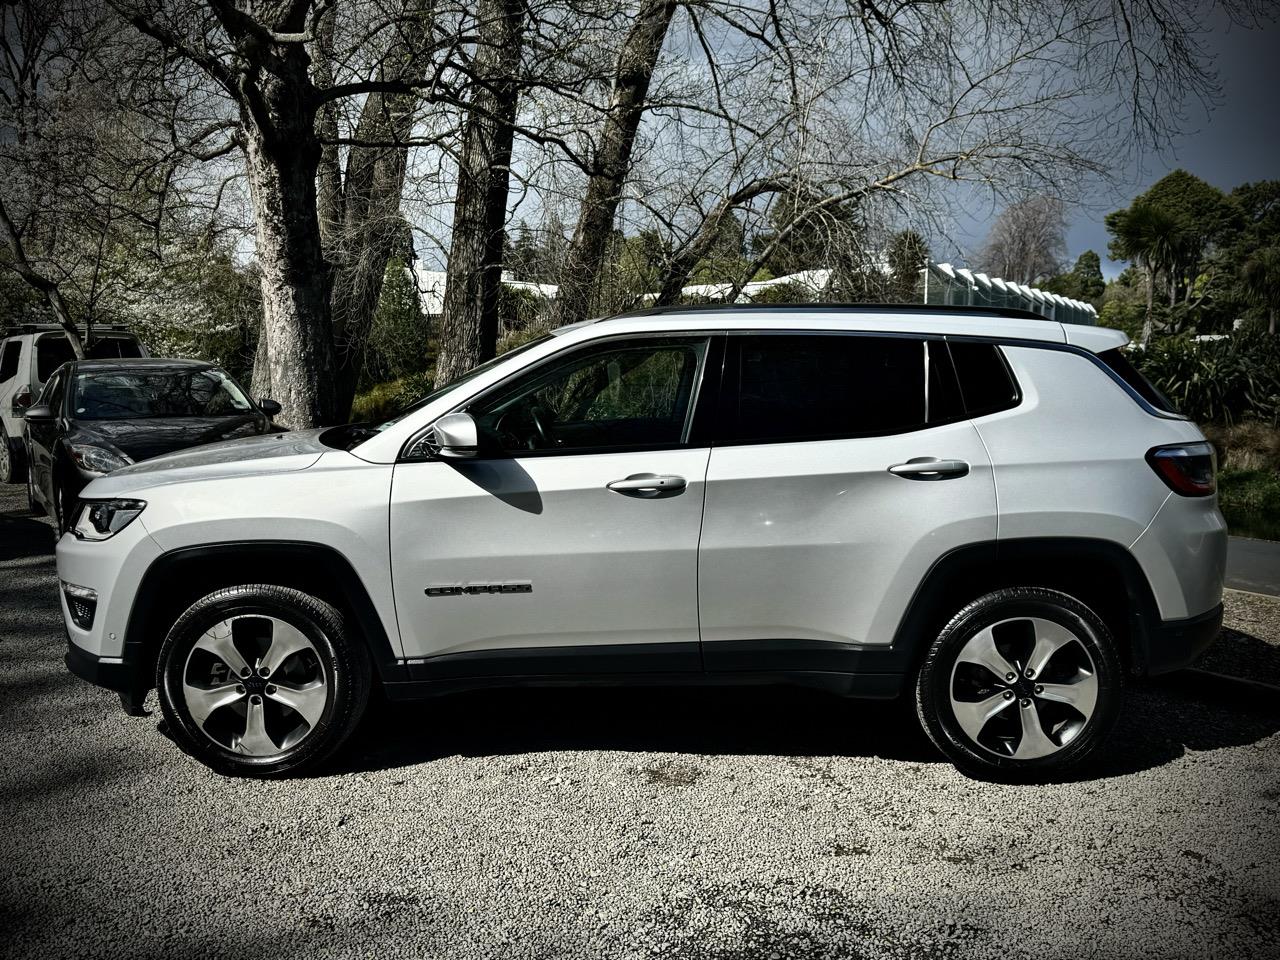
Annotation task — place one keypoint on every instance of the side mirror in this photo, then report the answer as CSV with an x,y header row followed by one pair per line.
x,y
40,413
456,436
268,406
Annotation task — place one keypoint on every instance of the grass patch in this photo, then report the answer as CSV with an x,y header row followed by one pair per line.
x,y
1250,501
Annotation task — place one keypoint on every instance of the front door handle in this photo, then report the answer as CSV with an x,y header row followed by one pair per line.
x,y
648,484
930,468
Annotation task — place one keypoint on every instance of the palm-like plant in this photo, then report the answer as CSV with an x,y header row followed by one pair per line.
x,y
1152,238
1261,277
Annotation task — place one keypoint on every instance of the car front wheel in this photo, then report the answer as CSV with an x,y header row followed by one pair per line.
x,y
262,680
1021,684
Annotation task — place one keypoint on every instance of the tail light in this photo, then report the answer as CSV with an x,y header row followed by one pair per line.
x,y
21,400
1189,469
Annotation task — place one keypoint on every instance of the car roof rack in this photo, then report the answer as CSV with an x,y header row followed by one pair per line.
x,y
938,308
15,329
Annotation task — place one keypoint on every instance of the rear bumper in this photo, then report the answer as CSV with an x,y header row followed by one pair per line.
x,y
1174,644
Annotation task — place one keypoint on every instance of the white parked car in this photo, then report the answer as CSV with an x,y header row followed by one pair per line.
x,y
991,513
29,354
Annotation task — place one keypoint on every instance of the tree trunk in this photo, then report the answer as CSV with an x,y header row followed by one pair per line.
x,y
469,329
281,160
612,162
1151,291
368,211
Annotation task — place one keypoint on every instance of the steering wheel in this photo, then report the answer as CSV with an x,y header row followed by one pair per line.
x,y
539,424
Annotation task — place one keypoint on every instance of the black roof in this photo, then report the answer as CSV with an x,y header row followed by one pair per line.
x,y
784,308
124,365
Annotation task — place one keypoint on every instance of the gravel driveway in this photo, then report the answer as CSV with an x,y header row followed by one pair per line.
x,y
630,824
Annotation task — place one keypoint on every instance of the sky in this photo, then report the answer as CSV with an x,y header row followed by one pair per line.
x,y
1236,142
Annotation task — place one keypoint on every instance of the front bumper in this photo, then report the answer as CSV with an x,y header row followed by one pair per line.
x,y
114,673
1174,644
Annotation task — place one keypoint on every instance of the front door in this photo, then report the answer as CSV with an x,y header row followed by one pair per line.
x,y
570,545
42,436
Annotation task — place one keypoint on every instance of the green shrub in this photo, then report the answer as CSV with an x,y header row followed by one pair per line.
x,y
376,403
1220,381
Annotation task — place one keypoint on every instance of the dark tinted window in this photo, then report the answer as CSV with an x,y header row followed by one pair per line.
x,y
943,397
986,383
113,348
1131,375
51,395
9,360
634,394
52,351
812,387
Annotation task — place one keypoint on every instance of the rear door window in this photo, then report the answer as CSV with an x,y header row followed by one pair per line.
x,y
822,387
986,382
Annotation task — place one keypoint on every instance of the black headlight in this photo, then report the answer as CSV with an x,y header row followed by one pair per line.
x,y
100,519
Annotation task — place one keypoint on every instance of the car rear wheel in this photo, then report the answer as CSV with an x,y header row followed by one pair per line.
x,y
1021,684
261,680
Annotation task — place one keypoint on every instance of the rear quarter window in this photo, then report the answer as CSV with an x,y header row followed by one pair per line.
x,y
1123,368
9,360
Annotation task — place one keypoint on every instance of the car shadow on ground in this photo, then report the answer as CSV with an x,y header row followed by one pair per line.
x,y
23,536
1159,723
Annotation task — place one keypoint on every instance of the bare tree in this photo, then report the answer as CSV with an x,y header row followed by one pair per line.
x,y
469,333
1028,241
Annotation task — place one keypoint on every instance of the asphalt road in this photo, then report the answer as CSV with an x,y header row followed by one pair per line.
x,y
1254,565
724,824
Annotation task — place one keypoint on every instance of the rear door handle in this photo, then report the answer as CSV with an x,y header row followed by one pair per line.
x,y
642,484
930,468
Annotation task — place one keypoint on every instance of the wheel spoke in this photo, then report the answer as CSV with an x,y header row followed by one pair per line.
x,y
1035,742
981,650
1082,695
255,741
973,715
309,700
202,701
286,640
217,641
1050,638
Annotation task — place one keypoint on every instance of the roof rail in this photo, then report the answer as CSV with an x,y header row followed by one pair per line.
x,y
938,308
13,329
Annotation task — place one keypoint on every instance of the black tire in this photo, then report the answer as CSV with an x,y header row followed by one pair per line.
x,y
941,678
13,461
342,662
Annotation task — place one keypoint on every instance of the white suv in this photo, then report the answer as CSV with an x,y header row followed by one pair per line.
x,y
29,354
991,511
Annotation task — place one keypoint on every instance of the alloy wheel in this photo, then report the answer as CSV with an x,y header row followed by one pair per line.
x,y
1023,688
255,685
6,460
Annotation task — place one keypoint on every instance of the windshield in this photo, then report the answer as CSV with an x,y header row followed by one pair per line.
x,y
117,395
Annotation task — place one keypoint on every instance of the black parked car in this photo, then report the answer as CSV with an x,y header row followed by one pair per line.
x,y
95,416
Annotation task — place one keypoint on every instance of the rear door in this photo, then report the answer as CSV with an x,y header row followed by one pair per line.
x,y
844,468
